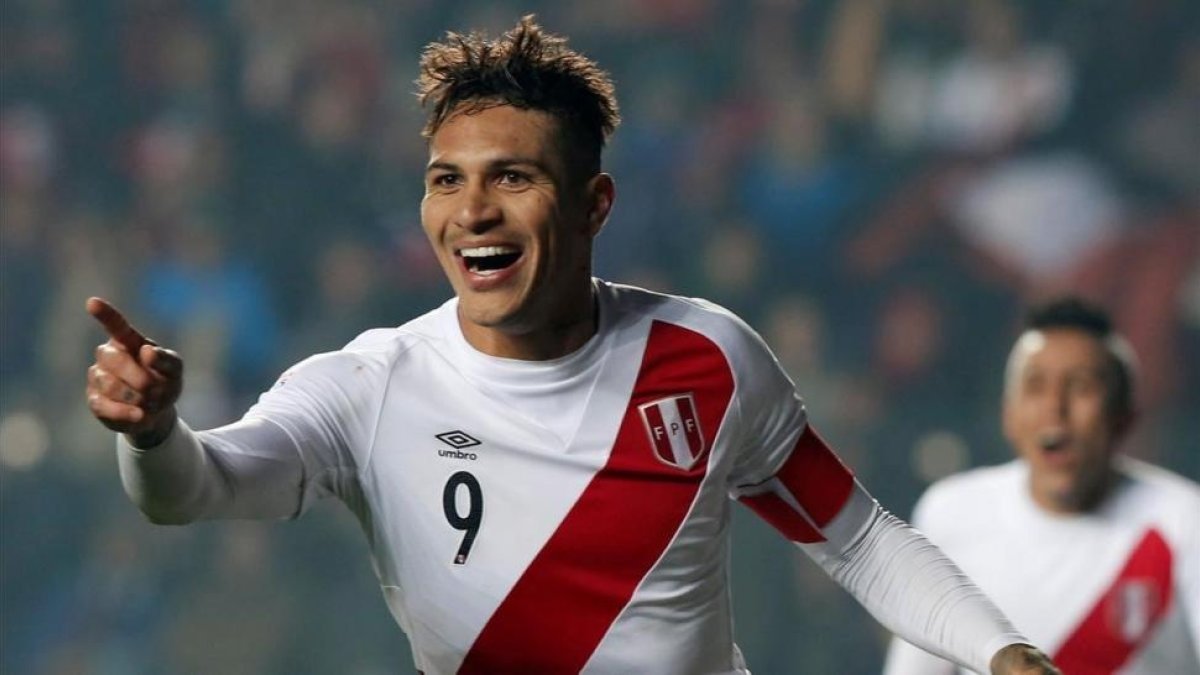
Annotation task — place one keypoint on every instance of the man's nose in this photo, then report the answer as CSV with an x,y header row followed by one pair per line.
x,y
1060,399
478,211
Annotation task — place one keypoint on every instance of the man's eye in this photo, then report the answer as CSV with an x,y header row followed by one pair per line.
x,y
1086,385
445,179
512,178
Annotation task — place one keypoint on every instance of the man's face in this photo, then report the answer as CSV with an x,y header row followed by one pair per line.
x,y
510,225
1058,417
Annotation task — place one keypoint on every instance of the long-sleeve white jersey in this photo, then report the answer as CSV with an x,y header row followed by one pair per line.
x,y
567,515
1112,591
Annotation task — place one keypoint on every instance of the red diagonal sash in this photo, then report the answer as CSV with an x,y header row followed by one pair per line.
x,y
1125,616
583,577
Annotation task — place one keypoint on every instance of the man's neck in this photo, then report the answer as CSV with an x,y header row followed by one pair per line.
x,y
1077,505
542,343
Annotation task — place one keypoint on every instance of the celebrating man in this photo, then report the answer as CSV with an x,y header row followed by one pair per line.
x,y
544,464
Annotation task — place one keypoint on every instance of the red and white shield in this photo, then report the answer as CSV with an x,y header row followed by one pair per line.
x,y
1133,605
674,430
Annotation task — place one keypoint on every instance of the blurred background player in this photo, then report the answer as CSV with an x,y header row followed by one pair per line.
x,y
1095,554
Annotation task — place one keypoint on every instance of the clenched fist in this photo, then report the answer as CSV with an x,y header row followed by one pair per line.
x,y
133,385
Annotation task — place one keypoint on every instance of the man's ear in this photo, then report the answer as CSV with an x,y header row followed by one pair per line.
x,y
600,191
1123,422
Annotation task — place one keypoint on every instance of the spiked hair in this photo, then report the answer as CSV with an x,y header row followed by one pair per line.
x,y
526,68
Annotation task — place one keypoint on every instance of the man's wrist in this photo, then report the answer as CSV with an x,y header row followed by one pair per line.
x,y
157,434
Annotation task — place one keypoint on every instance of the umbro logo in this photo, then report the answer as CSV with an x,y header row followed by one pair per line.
x,y
457,440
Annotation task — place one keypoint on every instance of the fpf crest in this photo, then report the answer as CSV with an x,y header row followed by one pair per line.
x,y
674,430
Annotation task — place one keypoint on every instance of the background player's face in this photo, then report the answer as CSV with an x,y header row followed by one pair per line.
x,y
1058,417
511,226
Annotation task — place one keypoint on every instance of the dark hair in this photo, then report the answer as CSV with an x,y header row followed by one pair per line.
x,y
1075,313
525,68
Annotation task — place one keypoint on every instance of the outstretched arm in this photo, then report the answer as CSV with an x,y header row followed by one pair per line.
x,y
254,468
906,582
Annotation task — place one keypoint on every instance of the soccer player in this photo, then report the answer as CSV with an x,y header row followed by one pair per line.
x,y
543,465
1095,555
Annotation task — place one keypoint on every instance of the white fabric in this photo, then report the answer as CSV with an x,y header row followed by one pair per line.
x,y
363,424
1046,572
910,586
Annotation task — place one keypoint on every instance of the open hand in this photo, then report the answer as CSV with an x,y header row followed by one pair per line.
x,y
133,385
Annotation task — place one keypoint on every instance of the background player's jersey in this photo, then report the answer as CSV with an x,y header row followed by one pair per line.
x,y
1116,591
553,516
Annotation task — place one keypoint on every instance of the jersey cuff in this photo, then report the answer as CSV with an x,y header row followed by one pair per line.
x,y
991,647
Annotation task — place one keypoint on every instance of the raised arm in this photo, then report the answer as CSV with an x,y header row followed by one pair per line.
x,y
250,469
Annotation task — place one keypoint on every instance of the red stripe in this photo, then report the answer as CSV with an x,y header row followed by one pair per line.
x,y
690,428
783,517
583,577
818,481
1139,597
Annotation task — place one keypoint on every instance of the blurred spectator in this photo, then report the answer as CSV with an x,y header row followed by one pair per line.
x,y
649,154
729,269
349,286
1161,136
1038,218
215,306
796,189
876,185
28,163
1001,88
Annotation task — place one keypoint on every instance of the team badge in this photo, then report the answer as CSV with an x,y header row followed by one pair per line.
x,y
674,430
1132,608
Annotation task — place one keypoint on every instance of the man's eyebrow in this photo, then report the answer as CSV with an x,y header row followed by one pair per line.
x,y
504,162
442,166
492,165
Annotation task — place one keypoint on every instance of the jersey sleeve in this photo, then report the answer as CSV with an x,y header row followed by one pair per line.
x,y
790,477
302,440
909,585
785,472
904,658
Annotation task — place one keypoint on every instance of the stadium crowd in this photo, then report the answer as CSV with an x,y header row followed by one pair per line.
x,y
878,187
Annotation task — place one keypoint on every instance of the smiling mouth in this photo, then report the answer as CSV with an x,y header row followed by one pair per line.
x,y
489,260
1053,441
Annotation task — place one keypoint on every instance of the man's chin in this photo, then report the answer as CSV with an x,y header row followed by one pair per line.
x,y
493,316
1075,495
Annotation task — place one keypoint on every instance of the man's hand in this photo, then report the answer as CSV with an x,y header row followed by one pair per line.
x,y
1021,659
133,385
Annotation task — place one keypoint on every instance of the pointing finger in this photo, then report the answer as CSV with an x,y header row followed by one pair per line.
x,y
116,325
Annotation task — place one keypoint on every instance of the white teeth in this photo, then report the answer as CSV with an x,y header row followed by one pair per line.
x,y
485,251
